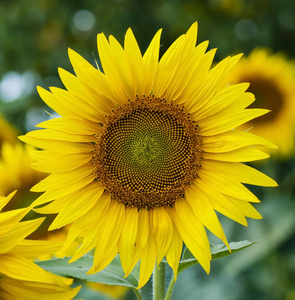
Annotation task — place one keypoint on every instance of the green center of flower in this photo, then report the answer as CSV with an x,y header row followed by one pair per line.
x,y
147,152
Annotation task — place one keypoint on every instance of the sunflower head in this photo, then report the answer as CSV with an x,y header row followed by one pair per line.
x,y
145,151
272,81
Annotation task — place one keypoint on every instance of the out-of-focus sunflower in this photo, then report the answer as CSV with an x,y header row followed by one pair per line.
x,y
15,169
145,151
111,291
7,132
16,174
20,278
272,81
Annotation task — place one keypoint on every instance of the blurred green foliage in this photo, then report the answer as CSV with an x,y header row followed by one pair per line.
x,y
34,37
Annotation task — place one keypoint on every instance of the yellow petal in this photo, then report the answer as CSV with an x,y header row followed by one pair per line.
x,y
222,122
61,146
80,96
127,241
60,163
5,200
148,258
204,211
221,203
150,61
89,222
51,134
241,172
93,79
239,155
71,126
11,235
227,185
192,232
143,228
35,248
135,62
62,180
174,252
233,140
81,203
163,231
11,217
246,208
108,236
109,66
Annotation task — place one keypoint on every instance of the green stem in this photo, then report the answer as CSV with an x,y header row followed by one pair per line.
x,y
159,282
137,294
170,289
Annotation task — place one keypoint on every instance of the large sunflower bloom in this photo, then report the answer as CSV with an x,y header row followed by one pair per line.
x,y
145,152
272,80
20,278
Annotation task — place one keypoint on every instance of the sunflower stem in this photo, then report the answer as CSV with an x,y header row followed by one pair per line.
x,y
159,282
170,289
137,294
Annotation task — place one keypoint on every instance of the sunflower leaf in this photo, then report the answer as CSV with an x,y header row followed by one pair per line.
x,y
217,251
111,275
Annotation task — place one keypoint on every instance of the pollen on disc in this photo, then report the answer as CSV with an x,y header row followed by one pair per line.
x,y
147,152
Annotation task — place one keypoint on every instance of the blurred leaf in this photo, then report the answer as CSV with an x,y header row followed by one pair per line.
x,y
111,275
217,251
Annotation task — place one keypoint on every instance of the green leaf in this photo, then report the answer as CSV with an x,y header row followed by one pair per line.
x,y
111,275
217,251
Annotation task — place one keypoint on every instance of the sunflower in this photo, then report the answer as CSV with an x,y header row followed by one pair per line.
x,y
145,151
17,174
15,170
7,132
272,80
20,278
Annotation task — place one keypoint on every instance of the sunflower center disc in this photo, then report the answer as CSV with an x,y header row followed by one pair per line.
x,y
147,152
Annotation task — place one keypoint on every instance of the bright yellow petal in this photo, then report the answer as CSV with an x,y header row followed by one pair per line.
x,y
219,123
192,232
81,203
88,222
11,235
204,211
241,172
108,236
150,61
221,203
226,185
233,140
163,230
245,154
148,259
127,241
35,248
174,252
5,200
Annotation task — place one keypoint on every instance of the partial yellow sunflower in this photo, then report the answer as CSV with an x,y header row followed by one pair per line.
x,y
15,170
16,174
110,291
7,132
272,80
20,278
145,151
